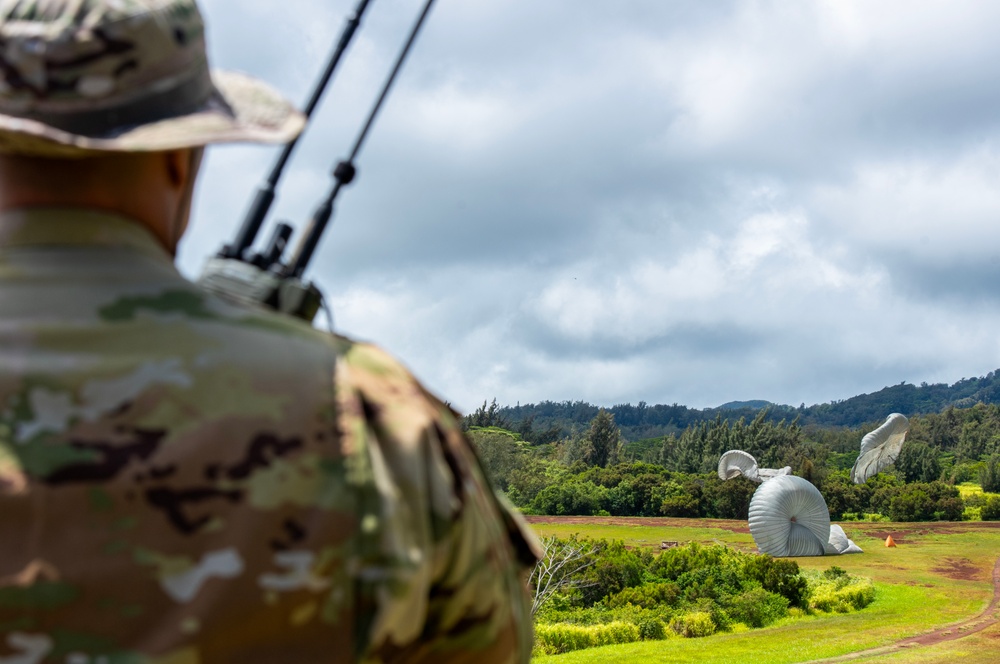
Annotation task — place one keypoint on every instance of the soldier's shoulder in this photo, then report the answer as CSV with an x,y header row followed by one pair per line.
x,y
388,390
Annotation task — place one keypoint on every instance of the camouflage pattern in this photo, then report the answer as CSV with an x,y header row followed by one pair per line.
x,y
123,75
183,481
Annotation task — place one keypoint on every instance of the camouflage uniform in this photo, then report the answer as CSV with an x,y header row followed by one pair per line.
x,y
183,480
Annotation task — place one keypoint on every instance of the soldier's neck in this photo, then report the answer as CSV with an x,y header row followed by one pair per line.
x,y
148,188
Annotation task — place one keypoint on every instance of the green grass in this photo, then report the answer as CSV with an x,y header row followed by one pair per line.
x,y
966,489
979,648
635,532
919,588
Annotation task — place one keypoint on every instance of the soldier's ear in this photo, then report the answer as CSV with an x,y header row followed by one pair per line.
x,y
178,164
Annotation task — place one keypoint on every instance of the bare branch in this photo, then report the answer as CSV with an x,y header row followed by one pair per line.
x,y
560,568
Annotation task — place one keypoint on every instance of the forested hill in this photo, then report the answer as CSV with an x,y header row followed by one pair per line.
x,y
550,420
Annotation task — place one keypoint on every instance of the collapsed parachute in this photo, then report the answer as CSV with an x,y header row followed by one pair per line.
x,y
839,542
737,462
788,517
880,448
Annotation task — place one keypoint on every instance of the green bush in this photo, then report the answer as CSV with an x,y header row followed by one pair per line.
x,y
989,474
990,510
867,517
648,596
965,472
842,595
572,498
926,501
757,608
835,573
615,569
652,629
691,590
562,637
779,576
693,625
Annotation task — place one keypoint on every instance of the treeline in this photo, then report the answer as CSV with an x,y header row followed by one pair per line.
x,y
597,473
548,421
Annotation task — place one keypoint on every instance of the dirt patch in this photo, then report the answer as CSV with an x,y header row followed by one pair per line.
x,y
922,527
960,569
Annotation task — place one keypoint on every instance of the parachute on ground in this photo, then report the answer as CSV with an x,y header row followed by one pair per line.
x,y
788,517
737,462
880,448
839,542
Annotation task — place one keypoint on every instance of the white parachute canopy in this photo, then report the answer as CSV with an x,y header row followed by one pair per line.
x,y
839,542
788,517
737,462
880,448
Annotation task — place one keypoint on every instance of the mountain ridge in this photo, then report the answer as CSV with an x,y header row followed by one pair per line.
x,y
548,420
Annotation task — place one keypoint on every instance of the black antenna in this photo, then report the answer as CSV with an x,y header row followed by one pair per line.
x,y
344,172
265,192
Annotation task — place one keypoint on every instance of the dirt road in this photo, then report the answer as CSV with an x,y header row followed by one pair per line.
x,y
990,616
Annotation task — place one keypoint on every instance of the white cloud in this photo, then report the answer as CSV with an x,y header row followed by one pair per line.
x,y
932,209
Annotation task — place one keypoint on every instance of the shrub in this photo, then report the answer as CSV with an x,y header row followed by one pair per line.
x,y
683,506
693,625
834,573
989,474
649,596
965,472
976,500
562,637
990,510
652,629
615,569
779,576
757,608
920,501
864,516
838,596
572,498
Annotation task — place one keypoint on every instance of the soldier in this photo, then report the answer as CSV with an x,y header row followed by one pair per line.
x,y
184,480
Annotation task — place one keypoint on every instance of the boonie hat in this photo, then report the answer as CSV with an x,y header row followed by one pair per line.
x,y
85,76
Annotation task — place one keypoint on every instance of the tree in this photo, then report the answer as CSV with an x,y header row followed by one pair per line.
x,y
488,416
918,462
603,440
989,475
499,454
561,567
991,509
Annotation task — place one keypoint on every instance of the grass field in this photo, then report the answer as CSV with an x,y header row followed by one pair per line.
x,y
939,574
967,489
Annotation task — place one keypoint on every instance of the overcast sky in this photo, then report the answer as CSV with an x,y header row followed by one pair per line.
x,y
671,201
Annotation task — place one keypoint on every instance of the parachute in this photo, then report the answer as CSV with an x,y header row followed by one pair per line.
x,y
737,462
788,517
880,448
839,542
